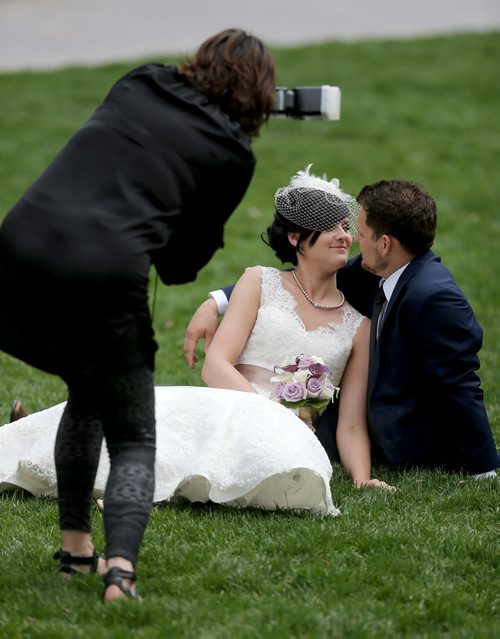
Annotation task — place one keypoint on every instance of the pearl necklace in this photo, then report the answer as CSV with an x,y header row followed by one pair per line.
x,y
311,301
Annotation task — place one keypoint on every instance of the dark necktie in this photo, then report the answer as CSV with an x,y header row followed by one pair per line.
x,y
378,306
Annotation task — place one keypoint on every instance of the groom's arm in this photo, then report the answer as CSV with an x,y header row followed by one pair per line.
x,y
221,297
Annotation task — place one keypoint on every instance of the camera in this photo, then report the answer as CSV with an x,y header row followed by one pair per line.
x,y
308,103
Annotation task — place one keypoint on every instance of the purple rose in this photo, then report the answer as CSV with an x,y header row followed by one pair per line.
x,y
294,392
315,386
278,388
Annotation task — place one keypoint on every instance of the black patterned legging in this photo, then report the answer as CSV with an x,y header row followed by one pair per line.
x,y
119,407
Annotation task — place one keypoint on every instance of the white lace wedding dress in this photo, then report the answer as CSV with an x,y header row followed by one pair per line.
x,y
226,446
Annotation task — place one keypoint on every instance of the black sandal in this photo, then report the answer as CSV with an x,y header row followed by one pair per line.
x,y
67,562
115,577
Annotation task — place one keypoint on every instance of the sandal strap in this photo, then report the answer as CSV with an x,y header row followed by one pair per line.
x,y
115,577
67,561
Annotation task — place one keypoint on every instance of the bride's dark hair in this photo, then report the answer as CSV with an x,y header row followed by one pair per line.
x,y
276,236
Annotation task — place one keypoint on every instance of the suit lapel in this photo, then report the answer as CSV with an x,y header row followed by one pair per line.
x,y
413,267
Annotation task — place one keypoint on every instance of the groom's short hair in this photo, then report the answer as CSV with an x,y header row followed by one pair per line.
x,y
402,209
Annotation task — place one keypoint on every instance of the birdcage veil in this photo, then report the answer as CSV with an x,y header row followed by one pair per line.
x,y
316,203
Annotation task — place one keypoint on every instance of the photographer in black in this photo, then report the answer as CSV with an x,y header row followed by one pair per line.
x,y
149,179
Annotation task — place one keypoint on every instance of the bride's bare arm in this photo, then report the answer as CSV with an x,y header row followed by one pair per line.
x,y
352,431
231,336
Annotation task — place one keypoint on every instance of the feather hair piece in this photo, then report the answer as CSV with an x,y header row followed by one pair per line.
x,y
305,179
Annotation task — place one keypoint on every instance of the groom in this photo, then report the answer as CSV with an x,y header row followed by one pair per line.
x,y
424,404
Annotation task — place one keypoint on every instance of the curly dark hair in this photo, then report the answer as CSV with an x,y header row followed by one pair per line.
x,y
276,236
236,71
401,209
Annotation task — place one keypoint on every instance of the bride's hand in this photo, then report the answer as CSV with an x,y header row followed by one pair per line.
x,y
375,483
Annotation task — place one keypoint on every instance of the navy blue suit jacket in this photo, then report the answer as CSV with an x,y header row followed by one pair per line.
x,y
425,404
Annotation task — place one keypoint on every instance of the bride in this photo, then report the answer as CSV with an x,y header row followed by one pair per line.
x,y
230,443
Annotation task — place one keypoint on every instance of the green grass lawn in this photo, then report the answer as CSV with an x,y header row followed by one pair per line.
x,y
420,563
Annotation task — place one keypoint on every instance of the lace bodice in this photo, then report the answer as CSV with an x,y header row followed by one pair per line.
x,y
279,332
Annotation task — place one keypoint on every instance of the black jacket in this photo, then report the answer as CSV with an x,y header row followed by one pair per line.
x,y
151,177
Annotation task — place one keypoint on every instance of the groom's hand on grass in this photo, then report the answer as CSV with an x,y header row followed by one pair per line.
x,y
203,325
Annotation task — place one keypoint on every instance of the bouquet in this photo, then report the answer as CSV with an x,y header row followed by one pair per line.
x,y
303,383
